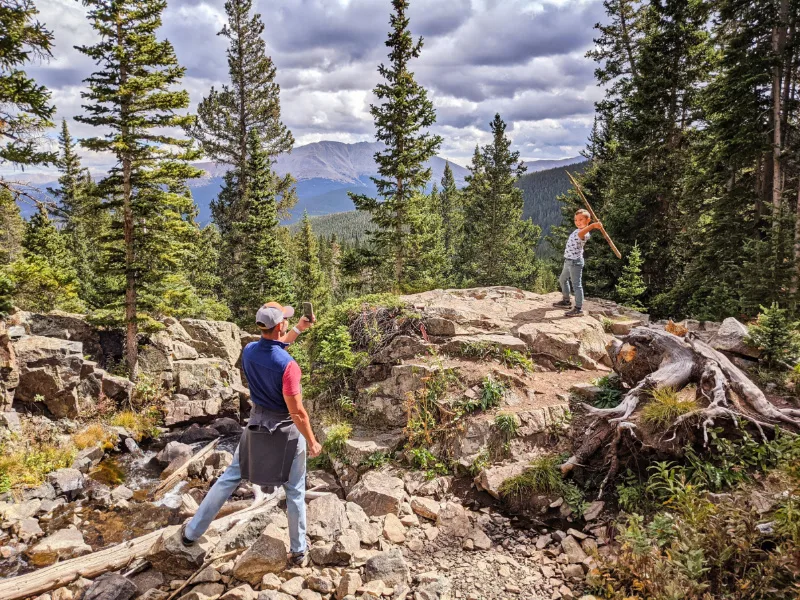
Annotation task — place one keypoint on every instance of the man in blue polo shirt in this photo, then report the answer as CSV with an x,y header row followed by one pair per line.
x,y
273,448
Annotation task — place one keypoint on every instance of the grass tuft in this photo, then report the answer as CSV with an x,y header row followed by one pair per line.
x,y
541,477
665,406
93,435
508,424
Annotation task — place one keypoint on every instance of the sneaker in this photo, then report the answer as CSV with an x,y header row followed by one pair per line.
x,y
185,540
562,303
298,559
575,312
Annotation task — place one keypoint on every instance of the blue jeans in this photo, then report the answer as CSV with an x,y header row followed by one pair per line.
x,y
572,271
228,482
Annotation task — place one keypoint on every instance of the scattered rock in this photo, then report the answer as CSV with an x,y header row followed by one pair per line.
x,y
309,595
63,544
148,580
425,507
292,586
453,520
175,559
573,550
266,555
111,586
242,592
172,451
270,581
369,533
393,529
389,567
326,517
378,494
731,337
318,583
67,482
348,585
594,510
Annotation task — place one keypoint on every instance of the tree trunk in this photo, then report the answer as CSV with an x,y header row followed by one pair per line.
x,y
626,39
131,325
778,49
796,274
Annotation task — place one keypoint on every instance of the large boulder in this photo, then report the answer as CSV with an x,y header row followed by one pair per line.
x,y
191,377
378,494
327,518
491,478
50,371
68,326
580,338
732,337
9,369
219,339
202,407
266,555
63,544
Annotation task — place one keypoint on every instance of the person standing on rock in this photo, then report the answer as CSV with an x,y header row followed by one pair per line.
x,y
573,262
278,436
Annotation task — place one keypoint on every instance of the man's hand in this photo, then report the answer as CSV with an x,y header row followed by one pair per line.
x,y
304,323
315,449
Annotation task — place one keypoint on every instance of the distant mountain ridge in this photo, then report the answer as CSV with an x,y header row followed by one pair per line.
x,y
325,172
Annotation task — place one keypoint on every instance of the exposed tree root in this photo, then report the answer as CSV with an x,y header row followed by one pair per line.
x,y
648,359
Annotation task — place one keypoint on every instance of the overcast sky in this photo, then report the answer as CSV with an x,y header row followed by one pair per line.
x,y
522,59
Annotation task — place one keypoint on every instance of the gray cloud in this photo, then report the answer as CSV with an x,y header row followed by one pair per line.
x,y
520,58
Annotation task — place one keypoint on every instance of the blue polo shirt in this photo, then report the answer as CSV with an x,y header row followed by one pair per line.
x,y
271,372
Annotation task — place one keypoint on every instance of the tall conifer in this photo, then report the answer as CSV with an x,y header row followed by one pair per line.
x,y
226,117
401,121
498,246
262,273
310,284
135,97
452,214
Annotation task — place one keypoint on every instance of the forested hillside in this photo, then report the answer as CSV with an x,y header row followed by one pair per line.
x,y
541,191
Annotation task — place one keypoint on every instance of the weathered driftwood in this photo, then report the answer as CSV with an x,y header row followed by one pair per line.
x,y
168,483
648,359
97,563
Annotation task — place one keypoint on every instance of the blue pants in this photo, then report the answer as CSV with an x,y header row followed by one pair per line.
x,y
572,271
228,482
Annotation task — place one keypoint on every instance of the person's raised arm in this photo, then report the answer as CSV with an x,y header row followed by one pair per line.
x,y
591,227
291,335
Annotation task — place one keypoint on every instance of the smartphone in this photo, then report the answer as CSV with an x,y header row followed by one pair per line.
x,y
308,311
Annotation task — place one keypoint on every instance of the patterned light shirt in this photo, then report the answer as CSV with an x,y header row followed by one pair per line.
x,y
575,244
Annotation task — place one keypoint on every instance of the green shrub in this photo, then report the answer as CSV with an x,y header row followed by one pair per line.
x,y
336,437
665,406
346,405
492,393
611,392
776,336
514,359
480,462
376,460
424,460
508,424
543,476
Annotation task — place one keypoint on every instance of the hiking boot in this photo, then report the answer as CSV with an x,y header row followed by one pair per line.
x,y
185,540
298,559
562,303
575,312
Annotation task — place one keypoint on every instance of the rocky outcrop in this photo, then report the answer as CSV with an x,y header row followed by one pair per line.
x,y
378,494
219,339
732,337
9,370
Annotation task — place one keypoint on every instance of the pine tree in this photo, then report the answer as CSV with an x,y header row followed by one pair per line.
x,y
498,246
82,226
400,122
631,286
12,228
134,98
776,335
263,273
251,102
26,108
452,214
310,284
6,295
43,277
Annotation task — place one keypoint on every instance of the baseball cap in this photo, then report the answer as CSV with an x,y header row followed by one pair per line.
x,y
272,314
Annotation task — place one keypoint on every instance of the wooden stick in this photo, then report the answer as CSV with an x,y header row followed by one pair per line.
x,y
180,472
95,564
594,216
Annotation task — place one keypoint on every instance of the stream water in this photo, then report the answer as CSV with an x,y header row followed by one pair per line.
x,y
104,526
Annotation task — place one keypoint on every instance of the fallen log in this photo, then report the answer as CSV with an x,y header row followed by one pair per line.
x,y
97,563
180,472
